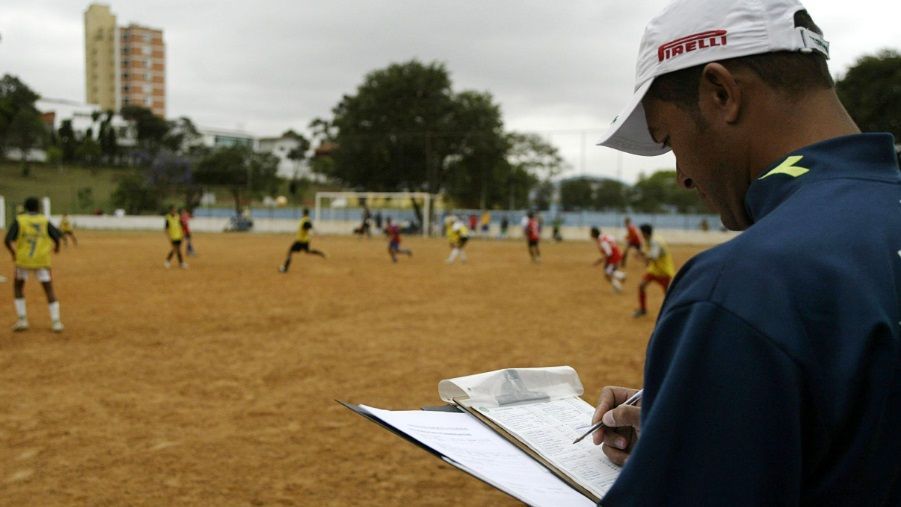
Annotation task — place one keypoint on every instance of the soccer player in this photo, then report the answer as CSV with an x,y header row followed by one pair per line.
x,y
660,267
772,375
33,236
532,232
175,233
67,230
633,239
393,233
457,236
611,256
302,241
184,217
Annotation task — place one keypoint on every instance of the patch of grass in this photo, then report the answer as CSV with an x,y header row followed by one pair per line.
x,y
71,189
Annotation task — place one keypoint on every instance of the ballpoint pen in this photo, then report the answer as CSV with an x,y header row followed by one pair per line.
x,y
632,400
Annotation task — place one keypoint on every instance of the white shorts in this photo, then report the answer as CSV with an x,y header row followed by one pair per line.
x,y
43,274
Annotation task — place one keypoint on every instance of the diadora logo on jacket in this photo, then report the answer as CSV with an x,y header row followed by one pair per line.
x,y
689,43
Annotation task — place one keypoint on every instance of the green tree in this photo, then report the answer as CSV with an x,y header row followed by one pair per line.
x,y
477,173
26,131
661,192
871,91
107,138
406,129
181,136
135,194
68,142
298,155
395,133
610,194
240,171
534,161
151,130
88,150
15,96
577,194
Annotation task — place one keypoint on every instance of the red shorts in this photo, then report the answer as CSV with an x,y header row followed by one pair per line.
x,y
662,280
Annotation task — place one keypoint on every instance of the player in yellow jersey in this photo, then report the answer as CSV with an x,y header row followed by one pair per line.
x,y
67,230
301,241
457,236
176,234
30,239
660,270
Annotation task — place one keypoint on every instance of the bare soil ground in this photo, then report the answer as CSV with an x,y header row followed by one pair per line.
x,y
216,385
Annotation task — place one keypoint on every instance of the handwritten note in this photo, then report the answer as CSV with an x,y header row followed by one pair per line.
x,y
469,445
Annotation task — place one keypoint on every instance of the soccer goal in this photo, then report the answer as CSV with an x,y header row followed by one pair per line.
x,y
371,210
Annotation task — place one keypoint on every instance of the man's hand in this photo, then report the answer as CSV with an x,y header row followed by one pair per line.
x,y
623,423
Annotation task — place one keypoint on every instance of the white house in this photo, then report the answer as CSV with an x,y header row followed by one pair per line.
x,y
281,147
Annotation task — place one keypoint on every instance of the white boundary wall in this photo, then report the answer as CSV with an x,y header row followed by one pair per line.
x,y
345,228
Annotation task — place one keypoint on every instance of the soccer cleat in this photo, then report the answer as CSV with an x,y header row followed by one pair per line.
x,y
282,269
167,264
639,313
57,326
183,265
21,325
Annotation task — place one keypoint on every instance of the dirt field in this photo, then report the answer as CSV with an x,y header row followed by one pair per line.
x,y
216,385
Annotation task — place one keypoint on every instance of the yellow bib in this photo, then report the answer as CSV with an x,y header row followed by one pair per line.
x,y
173,227
33,244
303,232
663,264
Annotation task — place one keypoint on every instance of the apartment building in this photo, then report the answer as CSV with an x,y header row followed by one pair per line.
x,y
124,66
142,68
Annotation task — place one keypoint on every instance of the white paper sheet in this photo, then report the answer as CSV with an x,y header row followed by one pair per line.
x,y
471,446
549,428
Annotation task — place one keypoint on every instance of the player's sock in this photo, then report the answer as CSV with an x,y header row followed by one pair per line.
x,y
642,300
20,308
617,286
453,255
54,311
462,256
619,275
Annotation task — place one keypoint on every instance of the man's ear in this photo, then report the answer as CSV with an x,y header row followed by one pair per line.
x,y
720,93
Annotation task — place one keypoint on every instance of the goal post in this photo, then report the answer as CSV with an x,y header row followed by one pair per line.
x,y
376,201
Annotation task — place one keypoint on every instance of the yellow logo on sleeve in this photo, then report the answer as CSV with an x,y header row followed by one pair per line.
x,y
788,167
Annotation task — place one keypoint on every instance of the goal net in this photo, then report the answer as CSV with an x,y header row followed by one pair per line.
x,y
368,212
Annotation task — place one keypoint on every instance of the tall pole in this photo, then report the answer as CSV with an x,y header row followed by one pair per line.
x,y
582,168
619,165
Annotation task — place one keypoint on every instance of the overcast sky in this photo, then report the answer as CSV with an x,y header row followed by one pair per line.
x,y
563,69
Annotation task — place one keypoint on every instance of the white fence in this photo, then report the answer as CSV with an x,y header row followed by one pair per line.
x,y
287,226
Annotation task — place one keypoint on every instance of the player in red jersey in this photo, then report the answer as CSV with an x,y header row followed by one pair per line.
x,y
611,256
185,217
633,240
532,232
393,233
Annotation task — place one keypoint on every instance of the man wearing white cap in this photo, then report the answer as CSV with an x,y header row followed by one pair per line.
x,y
773,376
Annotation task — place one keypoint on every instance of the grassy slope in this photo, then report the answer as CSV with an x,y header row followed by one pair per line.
x,y
61,184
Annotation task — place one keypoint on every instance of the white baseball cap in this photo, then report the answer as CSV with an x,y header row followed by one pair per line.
x,y
694,32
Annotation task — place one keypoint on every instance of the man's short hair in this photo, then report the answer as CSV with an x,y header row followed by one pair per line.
x,y
646,229
32,205
595,232
792,73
